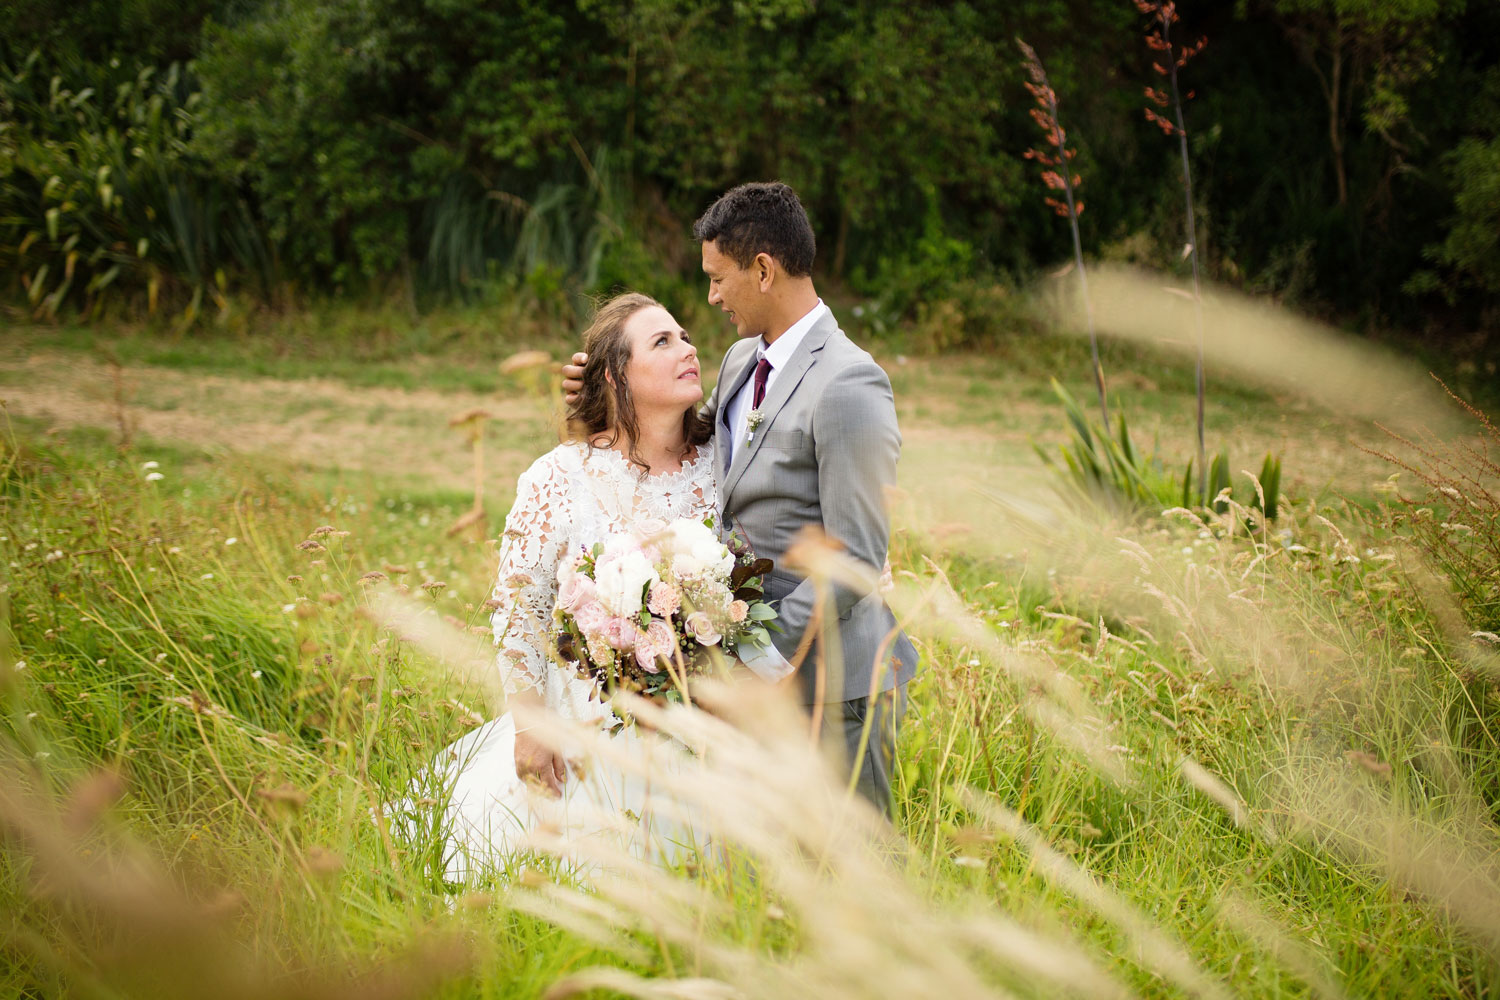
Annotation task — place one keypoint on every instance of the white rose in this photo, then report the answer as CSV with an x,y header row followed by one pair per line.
x,y
621,581
683,535
705,557
715,556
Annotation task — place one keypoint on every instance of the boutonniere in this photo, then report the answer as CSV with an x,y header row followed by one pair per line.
x,y
753,421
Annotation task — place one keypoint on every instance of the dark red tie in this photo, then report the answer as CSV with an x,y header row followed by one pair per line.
x,y
762,370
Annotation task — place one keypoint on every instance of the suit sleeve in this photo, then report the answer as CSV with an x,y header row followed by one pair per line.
x,y
710,410
856,443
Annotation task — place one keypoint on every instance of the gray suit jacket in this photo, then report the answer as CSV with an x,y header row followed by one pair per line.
x,y
823,455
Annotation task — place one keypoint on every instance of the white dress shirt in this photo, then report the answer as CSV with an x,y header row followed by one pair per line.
x,y
767,663
779,353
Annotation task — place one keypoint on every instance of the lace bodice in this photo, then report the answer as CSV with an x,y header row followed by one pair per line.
x,y
571,498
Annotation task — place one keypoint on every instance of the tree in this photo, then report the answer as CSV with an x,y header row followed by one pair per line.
x,y
1364,53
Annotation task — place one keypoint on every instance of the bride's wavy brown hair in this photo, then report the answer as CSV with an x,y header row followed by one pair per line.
x,y
608,409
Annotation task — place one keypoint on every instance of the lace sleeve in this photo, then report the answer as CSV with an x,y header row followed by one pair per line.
x,y
526,586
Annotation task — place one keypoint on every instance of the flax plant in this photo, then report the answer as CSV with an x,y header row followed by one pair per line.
x,y
1171,57
1057,173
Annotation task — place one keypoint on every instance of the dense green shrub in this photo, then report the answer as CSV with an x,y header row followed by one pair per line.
x,y
450,144
101,192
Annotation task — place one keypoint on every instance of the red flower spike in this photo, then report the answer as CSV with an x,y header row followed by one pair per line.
x,y
1056,152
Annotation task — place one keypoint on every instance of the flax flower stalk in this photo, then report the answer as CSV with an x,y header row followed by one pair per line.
x,y
1163,15
1058,175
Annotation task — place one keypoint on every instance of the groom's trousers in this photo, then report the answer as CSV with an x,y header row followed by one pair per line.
x,y
869,727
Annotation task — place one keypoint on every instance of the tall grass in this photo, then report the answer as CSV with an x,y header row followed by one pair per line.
x,y
1173,759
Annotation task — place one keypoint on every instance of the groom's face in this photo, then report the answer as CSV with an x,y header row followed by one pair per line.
x,y
734,289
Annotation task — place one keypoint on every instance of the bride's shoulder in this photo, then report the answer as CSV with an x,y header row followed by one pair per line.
x,y
558,463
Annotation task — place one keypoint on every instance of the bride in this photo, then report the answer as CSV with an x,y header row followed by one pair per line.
x,y
641,455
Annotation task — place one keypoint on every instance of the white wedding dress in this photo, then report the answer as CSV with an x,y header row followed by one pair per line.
x,y
570,498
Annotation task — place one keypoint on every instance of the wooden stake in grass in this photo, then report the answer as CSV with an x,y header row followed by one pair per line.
x,y
120,391
1163,14
1057,174
472,422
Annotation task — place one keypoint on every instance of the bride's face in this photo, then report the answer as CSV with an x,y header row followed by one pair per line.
x,y
663,368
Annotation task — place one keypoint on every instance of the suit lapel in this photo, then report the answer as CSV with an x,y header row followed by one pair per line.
x,y
786,384
738,373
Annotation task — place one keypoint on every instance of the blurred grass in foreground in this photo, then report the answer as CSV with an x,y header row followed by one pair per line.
x,y
1170,760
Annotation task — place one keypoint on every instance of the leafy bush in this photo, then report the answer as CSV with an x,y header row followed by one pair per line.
x,y
100,193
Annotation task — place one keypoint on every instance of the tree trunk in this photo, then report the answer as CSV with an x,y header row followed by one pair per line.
x,y
841,244
1335,128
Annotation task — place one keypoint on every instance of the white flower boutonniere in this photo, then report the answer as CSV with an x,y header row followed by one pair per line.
x,y
752,421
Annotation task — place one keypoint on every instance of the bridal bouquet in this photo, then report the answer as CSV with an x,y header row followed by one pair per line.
x,y
644,609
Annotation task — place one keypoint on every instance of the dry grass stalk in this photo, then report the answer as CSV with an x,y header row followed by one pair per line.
x,y
770,809
1313,789
125,924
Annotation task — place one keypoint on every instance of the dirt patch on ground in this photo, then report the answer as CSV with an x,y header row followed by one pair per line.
x,y
316,422
964,431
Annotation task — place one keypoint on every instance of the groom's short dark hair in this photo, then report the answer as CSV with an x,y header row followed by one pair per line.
x,y
760,218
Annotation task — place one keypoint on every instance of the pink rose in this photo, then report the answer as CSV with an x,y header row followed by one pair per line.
x,y
646,653
574,591
619,633
664,599
699,627
591,618
663,639
738,610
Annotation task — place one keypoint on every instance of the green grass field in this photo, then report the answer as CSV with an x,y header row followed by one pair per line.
x,y
1143,758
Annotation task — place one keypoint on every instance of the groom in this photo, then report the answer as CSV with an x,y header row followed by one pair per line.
x,y
805,436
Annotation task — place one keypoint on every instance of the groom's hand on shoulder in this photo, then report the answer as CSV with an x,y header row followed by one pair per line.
x,y
572,378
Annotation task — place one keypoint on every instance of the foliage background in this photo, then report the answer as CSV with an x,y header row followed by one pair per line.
x,y
441,149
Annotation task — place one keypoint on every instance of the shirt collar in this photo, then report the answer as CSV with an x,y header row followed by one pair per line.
x,y
781,350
